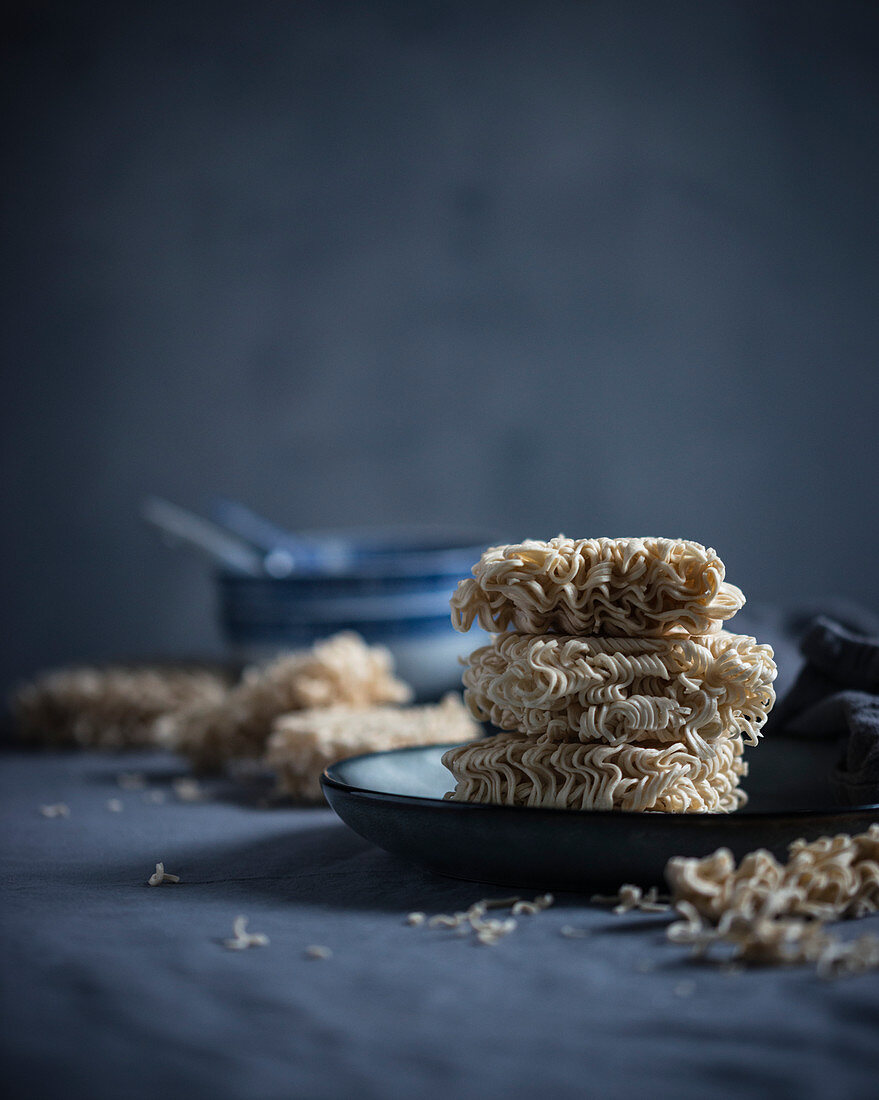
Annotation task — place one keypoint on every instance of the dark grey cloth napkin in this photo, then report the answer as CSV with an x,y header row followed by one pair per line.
x,y
836,694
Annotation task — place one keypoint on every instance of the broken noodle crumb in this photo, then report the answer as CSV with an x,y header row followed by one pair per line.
x,y
56,809
487,931
630,898
160,877
317,951
242,939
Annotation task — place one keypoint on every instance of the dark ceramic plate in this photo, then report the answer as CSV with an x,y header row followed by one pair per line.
x,y
395,800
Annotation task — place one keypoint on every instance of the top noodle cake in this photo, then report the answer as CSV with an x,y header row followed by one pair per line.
x,y
647,587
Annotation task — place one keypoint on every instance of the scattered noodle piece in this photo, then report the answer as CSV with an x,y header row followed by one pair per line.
x,y
342,670
631,898
187,789
161,877
616,587
513,771
490,932
572,933
487,931
114,805
56,809
848,959
765,937
617,690
443,920
113,707
318,952
242,939
529,908
415,919
303,744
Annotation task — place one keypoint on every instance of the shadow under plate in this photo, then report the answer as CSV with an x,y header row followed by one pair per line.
x,y
395,800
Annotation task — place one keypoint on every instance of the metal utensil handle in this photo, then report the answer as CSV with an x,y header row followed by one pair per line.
x,y
184,526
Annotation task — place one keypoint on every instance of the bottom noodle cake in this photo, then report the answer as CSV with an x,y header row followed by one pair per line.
x,y
303,744
513,770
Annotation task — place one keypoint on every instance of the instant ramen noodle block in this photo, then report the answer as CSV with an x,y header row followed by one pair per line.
x,y
511,770
303,744
616,690
644,587
111,707
343,670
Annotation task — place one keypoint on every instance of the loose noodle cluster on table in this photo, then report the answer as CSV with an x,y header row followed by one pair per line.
x,y
774,912
828,878
612,677
304,743
111,707
342,670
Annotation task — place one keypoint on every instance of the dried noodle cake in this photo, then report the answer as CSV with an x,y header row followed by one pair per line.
x,y
342,670
648,587
303,744
114,707
510,770
618,690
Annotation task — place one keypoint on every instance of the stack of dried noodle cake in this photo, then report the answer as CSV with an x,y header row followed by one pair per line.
x,y
611,677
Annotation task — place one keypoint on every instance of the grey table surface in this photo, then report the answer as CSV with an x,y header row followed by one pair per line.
x,y
115,989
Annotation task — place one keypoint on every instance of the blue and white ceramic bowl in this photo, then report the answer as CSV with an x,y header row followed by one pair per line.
x,y
391,585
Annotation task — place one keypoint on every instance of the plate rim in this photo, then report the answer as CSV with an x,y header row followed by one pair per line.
x,y
328,779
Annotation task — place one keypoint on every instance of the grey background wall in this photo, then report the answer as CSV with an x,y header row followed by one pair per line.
x,y
595,267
